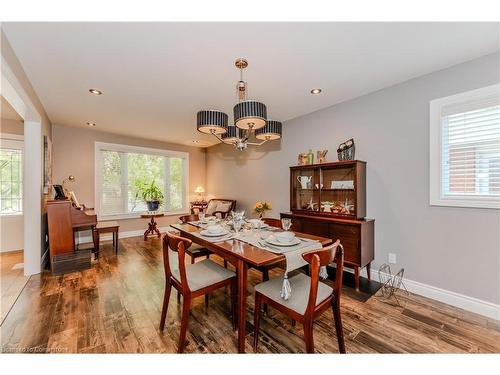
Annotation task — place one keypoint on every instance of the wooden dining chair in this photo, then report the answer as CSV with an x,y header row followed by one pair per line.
x,y
194,251
309,298
276,223
192,280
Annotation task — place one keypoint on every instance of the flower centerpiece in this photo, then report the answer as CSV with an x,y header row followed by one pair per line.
x,y
261,207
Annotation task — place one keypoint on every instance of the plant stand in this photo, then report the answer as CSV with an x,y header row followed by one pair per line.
x,y
152,225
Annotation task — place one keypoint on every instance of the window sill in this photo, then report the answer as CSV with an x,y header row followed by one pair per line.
x,y
491,203
11,215
137,215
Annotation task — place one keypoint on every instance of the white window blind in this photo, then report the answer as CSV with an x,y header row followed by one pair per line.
x,y
121,170
469,149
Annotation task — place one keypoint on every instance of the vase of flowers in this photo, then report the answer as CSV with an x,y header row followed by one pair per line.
x,y
261,207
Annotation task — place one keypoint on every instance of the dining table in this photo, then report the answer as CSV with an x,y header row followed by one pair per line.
x,y
242,256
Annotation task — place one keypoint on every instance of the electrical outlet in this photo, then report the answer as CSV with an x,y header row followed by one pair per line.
x,y
392,258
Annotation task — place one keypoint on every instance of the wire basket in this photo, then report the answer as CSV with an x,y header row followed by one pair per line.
x,y
346,150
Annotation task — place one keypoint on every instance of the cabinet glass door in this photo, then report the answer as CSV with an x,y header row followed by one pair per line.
x,y
338,191
305,189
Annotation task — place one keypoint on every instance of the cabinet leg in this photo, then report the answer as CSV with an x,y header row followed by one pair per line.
x,y
368,271
356,278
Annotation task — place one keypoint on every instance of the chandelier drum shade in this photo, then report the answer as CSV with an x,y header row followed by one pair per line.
x,y
250,119
250,114
212,122
272,131
233,134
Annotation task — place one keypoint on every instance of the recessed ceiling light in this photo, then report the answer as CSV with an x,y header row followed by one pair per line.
x,y
90,123
95,91
195,141
316,91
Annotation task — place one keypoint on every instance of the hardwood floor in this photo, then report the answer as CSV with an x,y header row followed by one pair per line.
x,y
12,280
115,308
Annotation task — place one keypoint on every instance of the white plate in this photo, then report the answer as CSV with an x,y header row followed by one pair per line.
x,y
209,220
274,241
206,233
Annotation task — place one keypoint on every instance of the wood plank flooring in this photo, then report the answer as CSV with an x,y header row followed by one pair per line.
x,y
12,280
115,308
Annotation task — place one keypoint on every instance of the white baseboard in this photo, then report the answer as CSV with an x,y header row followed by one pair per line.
x,y
462,301
108,237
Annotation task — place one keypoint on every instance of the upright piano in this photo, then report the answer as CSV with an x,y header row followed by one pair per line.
x,y
64,219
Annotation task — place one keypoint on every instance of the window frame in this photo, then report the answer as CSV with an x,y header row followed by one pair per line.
x,y
436,197
102,146
14,141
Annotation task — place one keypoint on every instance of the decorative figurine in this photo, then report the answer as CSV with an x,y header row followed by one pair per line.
x,y
327,206
310,157
345,208
311,204
346,150
302,159
321,156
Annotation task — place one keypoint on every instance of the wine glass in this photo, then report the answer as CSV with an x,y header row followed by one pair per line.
x,y
237,225
286,223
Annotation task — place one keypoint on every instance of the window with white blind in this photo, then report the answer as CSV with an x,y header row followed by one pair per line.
x,y
465,149
121,170
11,174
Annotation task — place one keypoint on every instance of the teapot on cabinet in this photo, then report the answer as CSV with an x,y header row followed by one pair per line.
x,y
304,181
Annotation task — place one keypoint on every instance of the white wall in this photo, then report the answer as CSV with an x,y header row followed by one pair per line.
x,y
456,249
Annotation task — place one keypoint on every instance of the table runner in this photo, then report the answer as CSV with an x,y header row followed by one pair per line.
x,y
292,254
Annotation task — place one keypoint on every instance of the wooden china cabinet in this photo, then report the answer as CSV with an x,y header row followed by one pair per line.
x,y
329,200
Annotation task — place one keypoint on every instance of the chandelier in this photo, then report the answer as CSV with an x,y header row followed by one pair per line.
x,y
250,118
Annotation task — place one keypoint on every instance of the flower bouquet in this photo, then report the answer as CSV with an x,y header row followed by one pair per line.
x,y
261,207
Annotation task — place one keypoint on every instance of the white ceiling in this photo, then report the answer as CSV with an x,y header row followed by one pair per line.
x,y
156,76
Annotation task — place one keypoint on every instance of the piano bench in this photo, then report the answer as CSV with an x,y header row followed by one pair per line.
x,y
107,227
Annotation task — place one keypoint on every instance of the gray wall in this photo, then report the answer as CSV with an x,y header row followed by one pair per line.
x,y
456,249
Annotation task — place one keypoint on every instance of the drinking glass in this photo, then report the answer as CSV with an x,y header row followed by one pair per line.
x,y
237,225
286,223
201,215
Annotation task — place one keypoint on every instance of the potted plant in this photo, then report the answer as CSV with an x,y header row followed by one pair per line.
x,y
151,194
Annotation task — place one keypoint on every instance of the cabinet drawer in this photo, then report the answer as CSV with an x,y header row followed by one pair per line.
x,y
349,236
315,227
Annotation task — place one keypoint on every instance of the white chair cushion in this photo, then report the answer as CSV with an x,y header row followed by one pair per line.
x,y
211,208
301,284
223,206
204,273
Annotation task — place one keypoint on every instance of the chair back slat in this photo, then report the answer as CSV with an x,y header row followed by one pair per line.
x,y
272,222
179,245
323,257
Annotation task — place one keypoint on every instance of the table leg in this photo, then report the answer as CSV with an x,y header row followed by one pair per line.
x,y
242,307
116,241
95,238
